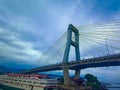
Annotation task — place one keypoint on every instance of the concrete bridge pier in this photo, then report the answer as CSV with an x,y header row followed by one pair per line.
x,y
66,75
72,32
77,74
67,81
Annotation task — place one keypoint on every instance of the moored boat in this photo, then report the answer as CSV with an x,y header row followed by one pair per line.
x,y
29,81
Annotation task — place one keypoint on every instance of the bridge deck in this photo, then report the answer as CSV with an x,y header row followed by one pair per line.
x,y
105,61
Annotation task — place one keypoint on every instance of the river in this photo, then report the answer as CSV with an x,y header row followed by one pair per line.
x,y
111,87
3,87
114,86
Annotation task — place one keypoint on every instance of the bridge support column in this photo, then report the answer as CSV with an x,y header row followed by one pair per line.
x,y
66,75
75,43
77,74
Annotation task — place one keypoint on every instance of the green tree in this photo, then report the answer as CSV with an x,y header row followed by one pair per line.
x,y
92,81
91,78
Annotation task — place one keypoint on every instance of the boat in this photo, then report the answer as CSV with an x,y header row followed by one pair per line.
x,y
29,81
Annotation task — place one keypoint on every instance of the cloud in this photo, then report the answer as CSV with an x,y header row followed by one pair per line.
x,y
105,74
28,28
13,47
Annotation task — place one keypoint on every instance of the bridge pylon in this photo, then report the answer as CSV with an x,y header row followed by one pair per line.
x,y
75,43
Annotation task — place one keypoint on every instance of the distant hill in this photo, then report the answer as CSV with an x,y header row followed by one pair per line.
x,y
5,69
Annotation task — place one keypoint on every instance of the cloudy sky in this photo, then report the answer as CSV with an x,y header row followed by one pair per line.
x,y
30,27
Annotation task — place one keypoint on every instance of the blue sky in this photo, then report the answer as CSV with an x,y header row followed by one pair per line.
x,y
30,27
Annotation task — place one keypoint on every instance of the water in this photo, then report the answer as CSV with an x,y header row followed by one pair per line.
x,y
3,87
113,88
114,85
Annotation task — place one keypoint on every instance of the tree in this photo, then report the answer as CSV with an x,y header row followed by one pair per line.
x,y
91,78
92,81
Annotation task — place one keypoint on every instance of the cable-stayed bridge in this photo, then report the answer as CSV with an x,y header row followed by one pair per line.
x,y
113,60
87,46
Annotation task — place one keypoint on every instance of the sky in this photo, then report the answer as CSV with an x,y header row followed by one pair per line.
x,y
29,27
